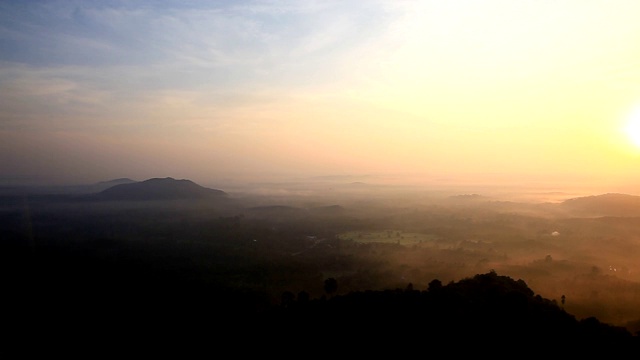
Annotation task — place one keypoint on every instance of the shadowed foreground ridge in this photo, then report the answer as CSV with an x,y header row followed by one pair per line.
x,y
102,274
486,307
170,300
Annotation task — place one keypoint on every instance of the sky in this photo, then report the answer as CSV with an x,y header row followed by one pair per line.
x,y
416,91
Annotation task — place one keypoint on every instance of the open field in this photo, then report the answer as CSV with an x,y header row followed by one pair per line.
x,y
390,236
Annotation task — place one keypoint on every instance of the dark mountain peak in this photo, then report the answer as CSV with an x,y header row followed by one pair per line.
x,y
160,189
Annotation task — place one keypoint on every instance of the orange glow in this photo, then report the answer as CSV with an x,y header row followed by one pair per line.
x,y
633,128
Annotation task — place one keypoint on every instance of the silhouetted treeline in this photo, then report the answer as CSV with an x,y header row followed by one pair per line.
x,y
147,294
486,307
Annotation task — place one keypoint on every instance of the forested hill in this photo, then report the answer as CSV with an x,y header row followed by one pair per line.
x,y
101,276
167,298
487,308
611,204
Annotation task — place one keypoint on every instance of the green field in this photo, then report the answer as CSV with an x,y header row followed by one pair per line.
x,y
388,236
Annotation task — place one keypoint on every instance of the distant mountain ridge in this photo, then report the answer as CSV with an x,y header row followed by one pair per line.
x,y
102,185
159,189
63,189
610,204
114,182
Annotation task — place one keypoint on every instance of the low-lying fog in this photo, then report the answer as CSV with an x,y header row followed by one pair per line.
x,y
586,251
575,246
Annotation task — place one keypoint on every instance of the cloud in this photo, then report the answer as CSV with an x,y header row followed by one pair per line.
x,y
367,84
85,64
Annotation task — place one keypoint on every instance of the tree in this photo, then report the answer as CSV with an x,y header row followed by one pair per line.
x,y
409,287
435,285
287,298
303,297
330,286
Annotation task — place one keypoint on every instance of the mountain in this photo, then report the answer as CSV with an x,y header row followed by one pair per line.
x,y
160,189
109,183
611,204
97,187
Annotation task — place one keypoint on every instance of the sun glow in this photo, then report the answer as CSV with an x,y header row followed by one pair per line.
x,y
633,128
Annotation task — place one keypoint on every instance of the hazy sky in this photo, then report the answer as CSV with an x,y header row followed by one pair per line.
x,y
217,90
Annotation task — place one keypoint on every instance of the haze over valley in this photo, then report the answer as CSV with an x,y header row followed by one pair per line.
x,y
366,237
472,167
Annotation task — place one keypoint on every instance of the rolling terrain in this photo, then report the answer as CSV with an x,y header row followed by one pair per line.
x,y
162,241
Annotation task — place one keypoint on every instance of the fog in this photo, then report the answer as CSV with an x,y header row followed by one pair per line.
x,y
582,248
587,252
380,144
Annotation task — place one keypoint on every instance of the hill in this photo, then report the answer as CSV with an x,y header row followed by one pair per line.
x,y
181,275
486,308
276,212
611,204
159,189
103,185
